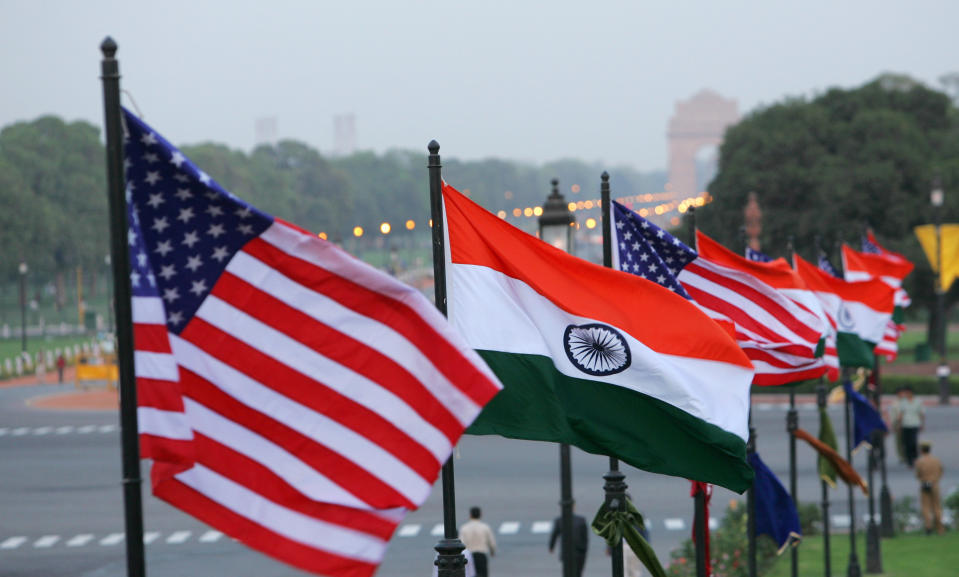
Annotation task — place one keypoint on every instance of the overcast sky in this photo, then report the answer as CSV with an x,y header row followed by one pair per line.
x,y
535,81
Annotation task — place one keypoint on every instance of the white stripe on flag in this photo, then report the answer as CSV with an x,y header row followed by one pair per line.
x,y
160,366
322,429
364,329
286,522
148,311
160,423
335,376
304,478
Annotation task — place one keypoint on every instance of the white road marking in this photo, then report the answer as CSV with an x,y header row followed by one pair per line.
x,y
178,537
20,431
107,428
411,530
764,406
542,527
80,540
42,430
65,429
86,429
13,542
437,530
46,541
509,528
210,536
112,539
3,431
675,524
150,537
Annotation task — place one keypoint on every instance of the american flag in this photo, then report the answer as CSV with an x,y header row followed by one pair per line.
x,y
757,256
822,261
889,345
290,396
779,336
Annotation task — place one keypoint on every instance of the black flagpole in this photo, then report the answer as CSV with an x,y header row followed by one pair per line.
x,y
792,423
886,527
751,495
450,561
615,486
700,522
120,257
827,557
852,569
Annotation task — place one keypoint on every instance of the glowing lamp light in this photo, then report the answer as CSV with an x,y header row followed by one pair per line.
x,y
385,228
537,211
591,223
357,231
501,213
322,235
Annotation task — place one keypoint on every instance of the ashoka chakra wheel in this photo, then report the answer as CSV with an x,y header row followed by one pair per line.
x,y
596,349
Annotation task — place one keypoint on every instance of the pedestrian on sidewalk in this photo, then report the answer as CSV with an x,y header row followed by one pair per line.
x,y
41,368
580,541
61,364
929,471
479,540
912,419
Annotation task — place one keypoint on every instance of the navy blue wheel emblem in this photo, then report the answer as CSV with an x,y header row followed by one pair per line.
x,y
845,319
596,349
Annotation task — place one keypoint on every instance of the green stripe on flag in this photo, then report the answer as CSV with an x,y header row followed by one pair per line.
x,y
539,403
853,351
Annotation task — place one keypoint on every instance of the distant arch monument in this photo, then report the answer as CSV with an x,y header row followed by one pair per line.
x,y
696,124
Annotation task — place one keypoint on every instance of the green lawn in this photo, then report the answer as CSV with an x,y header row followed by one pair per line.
x,y
913,555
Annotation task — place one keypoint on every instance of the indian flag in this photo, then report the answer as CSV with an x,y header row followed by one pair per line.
x,y
594,357
858,311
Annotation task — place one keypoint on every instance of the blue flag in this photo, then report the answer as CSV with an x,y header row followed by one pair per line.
x,y
865,417
776,514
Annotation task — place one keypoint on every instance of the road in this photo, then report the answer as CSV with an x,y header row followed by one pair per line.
x,y
61,502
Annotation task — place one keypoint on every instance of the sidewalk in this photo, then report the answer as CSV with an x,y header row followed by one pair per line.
x,y
810,399
100,398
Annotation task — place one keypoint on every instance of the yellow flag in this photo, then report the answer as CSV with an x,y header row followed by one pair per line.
x,y
950,251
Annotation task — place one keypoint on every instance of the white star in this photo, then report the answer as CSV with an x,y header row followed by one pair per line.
x,y
628,235
131,237
661,279
669,259
152,177
198,287
175,318
644,257
167,272
191,238
185,214
204,177
653,267
152,279
126,163
622,246
216,230
635,246
660,233
171,294
194,263
243,212
160,224
675,241
183,194
181,177
148,138
156,200
163,248
177,159
135,278
619,224
151,157
129,191
211,194
220,253
645,224
136,216
636,269
245,229
141,258
214,210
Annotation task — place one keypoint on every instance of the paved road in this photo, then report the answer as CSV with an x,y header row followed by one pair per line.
x,y
61,503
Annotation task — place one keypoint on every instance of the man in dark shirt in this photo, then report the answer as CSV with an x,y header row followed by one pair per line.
x,y
580,541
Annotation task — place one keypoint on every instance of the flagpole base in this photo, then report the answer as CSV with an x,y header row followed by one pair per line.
x,y
886,526
873,553
450,562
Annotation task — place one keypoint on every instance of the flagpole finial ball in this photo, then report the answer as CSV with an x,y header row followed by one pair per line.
x,y
433,147
108,47
604,176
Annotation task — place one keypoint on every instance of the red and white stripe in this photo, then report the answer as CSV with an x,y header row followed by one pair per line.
x,y
308,405
889,345
778,335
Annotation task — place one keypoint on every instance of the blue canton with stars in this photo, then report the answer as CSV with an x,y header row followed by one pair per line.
x,y
757,256
184,228
870,247
826,266
648,251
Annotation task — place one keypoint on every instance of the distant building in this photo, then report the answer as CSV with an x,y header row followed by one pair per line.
x,y
344,134
265,131
697,127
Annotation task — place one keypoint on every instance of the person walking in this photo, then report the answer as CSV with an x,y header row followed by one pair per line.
x,y
479,540
580,541
912,419
61,364
929,471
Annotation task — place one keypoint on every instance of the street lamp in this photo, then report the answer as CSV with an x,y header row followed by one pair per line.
x,y
556,222
23,305
106,261
937,198
556,228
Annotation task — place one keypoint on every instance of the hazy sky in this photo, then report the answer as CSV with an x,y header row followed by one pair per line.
x,y
536,81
